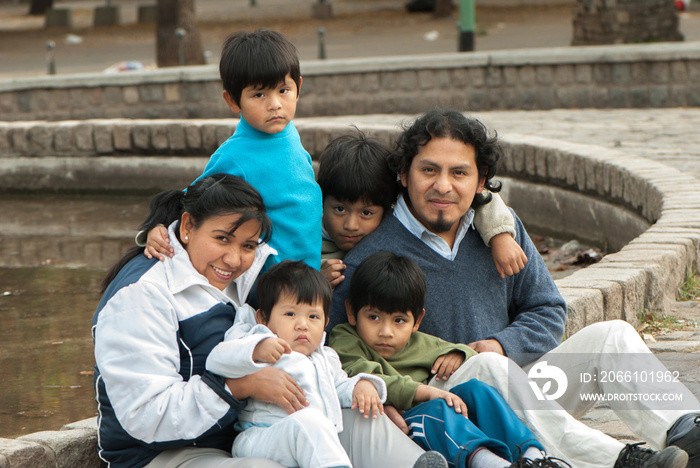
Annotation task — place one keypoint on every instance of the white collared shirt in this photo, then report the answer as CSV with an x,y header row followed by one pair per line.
x,y
432,240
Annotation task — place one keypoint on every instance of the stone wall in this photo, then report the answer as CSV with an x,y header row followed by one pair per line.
x,y
624,76
625,22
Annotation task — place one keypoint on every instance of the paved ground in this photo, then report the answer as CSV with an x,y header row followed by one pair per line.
x,y
366,27
360,28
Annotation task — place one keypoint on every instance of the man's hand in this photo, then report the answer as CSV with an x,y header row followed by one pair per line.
x,y
508,256
333,270
447,364
270,350
271,385
366,398
158,244
484,346
395,417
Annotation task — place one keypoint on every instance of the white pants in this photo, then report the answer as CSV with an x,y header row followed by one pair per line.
x,y
306,438
585,353
370,443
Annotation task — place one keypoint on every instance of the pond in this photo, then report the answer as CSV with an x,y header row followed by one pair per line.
x,y
46,353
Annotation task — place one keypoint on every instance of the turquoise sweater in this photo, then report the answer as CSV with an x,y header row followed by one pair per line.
x,y
280,169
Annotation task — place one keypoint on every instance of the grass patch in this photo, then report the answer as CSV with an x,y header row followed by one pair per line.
x,y
690,290
653,321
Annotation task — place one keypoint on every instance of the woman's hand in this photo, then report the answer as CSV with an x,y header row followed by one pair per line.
x,y
366,398
395,416
271,385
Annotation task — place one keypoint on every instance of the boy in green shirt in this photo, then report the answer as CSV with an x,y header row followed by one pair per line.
x,y
471,425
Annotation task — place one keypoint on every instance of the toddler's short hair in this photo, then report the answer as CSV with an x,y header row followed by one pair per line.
x,y
355,167
260,58
388,283
294,278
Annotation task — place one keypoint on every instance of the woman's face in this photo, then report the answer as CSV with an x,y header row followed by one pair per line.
x,y
216,253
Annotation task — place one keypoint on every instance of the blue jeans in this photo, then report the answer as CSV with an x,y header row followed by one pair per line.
x,y
491,424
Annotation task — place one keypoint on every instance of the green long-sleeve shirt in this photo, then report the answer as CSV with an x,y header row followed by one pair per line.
x,y
404,371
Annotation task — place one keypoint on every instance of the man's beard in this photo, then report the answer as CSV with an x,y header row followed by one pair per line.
x,y
440,225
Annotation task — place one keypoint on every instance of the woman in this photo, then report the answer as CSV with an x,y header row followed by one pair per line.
x,y
157,322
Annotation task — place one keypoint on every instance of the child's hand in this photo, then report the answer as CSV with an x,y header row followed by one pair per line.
x,y
447,364
270,350
452,400
366,398
508,256
333,269
158,244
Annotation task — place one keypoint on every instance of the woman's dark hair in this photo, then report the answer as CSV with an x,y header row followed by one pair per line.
x,y
260,58
297,279
355,167
440,123
215,195
388,283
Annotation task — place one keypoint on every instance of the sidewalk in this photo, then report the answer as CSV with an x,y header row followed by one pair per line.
x,y
359,28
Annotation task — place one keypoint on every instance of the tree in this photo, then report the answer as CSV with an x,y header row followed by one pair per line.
x,y
443,8
40,7
176,27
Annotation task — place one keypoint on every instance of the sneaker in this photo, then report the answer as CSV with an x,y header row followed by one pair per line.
x,y
431,459
523,463
549,462
685,434
634,456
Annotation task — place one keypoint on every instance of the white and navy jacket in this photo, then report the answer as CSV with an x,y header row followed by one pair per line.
x,y
320,375
153,329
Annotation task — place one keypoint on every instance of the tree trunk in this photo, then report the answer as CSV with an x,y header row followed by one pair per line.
x,y
176,17
442,9
40,7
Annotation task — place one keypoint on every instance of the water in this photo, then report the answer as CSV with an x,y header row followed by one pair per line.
x,y
46,357
54,252
59,249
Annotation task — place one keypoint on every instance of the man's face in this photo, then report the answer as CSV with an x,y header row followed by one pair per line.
x,y
441,184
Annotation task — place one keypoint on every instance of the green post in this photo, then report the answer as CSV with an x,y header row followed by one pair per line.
x,y
466,25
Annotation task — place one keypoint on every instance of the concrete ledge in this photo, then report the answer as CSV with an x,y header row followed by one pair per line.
x,y
620,76
648,211
628,204
74,446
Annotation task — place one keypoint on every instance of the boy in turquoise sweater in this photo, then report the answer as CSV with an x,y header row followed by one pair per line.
x,y
262,79
471,425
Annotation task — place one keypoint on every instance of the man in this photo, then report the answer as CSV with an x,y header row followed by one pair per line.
x,y
445,161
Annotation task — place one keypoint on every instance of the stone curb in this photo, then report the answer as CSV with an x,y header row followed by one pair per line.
x,y
74,446
644,274
658,75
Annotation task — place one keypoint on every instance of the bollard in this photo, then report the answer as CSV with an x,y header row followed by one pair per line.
x,y
50,59
180,33
321,43
466,26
